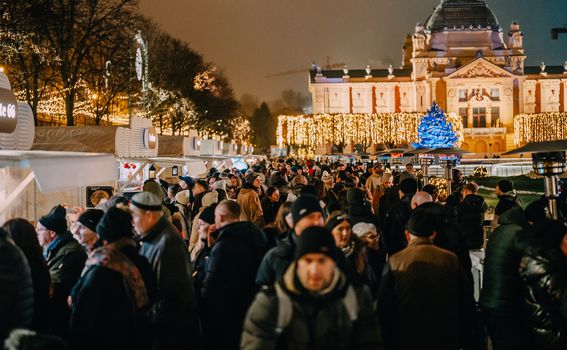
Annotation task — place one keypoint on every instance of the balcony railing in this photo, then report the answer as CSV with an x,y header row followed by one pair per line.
x,y
484,131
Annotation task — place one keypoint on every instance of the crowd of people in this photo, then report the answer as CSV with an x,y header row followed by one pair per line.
x,y
287,254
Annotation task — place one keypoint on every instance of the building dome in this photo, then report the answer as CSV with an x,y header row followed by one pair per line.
x,y
461,14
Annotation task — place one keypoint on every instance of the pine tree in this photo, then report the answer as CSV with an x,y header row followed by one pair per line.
x,y
435,131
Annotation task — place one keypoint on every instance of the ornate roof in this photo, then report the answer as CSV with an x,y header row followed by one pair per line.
x,y
461,14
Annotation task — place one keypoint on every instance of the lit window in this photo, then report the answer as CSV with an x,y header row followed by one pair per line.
x,y
495,94
462,95
464,116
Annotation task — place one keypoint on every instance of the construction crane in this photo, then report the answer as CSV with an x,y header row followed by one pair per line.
x,y
327,66
556,31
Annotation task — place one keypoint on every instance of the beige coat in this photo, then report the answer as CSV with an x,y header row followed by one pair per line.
x,y
250,207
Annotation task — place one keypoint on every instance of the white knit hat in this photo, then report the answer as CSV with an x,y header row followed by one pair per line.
x,y
363,228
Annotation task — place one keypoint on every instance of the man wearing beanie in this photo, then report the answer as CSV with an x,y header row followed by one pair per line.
x,y
87,229
115,290
423,293
306,212
249,200
173,317
228,287
65,260
280,317
507,199
396,219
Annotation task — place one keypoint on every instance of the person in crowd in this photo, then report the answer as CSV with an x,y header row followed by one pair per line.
x,y
353,249
65,261
186,183
249,200
543,270
374,181
271,204
313,305
87,229
23,234
507,199
199,190
172,190
280,227
305,212
115,290
153,186
432,190
16,288
200,258
500,300
470,216
389,198
111,202
180,217
409,173
376,255
420,198
236,183
220,188
423,290
173,317
232,266
458,181
359,208
396,219
327,180
209,199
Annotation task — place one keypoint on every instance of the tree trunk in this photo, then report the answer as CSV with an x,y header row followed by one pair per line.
x,y
69,108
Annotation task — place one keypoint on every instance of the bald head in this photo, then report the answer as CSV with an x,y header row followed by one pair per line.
x,y
420,198
226,212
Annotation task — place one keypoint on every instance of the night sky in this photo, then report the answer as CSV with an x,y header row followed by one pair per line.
x,y
251,39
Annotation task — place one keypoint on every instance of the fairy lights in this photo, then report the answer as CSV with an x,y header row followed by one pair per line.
x,y
548,126
311,131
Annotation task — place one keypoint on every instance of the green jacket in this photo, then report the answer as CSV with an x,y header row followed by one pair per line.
x,y
321,322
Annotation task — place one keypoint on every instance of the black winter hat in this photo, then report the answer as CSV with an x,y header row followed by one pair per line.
x,y
203,183
303,206
115,224
408,186
505,185
335,219
421,223
315,239
91,218
55,220
208,214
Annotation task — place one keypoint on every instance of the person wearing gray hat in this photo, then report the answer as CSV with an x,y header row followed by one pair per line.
x,y
173,317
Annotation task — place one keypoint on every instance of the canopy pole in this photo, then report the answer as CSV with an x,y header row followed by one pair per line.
x,y
21,187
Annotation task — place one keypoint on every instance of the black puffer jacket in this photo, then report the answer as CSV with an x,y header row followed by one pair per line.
x,y
394,225
505,248
544,274
229,286
470,217
16,290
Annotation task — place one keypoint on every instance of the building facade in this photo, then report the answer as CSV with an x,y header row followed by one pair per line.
x,y
463,60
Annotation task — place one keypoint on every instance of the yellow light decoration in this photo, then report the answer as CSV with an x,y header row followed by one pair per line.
x,y
547,126
311,131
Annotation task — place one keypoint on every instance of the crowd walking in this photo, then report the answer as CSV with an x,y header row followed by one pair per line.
x,y
287,254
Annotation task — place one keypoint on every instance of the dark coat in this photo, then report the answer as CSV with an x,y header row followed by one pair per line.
x,y
229,286
316,323
359,209
506,202
103,305
544,276
173,316
65,261
387,201
270,210
16,288
470,217
424,289
394,225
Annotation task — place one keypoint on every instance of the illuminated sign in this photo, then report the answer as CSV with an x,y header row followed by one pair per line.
x,y
8,111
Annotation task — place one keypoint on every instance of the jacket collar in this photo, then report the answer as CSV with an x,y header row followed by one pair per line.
x,y
155,230
57,243
420,241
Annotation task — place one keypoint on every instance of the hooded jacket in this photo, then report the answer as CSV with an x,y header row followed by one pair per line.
x,y
229,286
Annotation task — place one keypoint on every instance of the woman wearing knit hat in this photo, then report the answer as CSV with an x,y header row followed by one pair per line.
x,y
339,224
114,292
87,229
249,200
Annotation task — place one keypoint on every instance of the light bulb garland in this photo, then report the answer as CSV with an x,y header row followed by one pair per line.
x,y
548,126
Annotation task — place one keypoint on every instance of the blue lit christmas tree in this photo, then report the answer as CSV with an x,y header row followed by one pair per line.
x,y
435,131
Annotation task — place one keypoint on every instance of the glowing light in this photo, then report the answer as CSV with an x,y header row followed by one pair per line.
x,y
437,130
548,126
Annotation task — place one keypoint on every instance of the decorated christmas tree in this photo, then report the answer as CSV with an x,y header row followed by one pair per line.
x,y
437,130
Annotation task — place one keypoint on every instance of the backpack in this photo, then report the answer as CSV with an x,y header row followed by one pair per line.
x,y
285,307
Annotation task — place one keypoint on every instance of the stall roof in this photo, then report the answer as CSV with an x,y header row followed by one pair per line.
x,y
99,139
60,170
